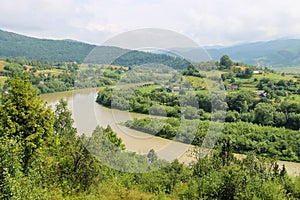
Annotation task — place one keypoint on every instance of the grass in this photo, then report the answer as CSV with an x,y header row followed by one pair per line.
x,y
2,80
196,82
274,77
250,84
100,66
148,88
55,72
107,190
2,64
288,70
291,98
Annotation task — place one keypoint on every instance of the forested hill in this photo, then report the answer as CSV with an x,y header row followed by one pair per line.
x,y
276,53
15,45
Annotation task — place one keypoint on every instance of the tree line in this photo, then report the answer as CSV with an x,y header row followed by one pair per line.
x,y
264,141
242,106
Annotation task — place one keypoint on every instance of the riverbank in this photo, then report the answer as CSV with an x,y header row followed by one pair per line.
x,y
87,114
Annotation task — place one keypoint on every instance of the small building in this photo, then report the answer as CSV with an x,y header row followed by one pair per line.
x,y
5,93
158,89
257,72
168,89
176,89
232,87
261,93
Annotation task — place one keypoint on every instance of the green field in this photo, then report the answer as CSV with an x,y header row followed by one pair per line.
x,y
288,70
196,82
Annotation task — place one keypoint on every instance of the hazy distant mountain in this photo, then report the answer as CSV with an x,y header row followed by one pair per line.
x,y
272,53
285,52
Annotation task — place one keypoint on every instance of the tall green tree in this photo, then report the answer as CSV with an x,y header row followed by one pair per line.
x,y
264,114
76,168
152,156
226,61
63,125
24,118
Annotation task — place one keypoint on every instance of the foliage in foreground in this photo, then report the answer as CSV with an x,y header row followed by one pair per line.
x,y
42,158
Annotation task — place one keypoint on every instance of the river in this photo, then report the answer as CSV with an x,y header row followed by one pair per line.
x,y
87,114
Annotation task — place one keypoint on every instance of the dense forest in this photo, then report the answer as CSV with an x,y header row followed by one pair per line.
x,y
14,45
42,157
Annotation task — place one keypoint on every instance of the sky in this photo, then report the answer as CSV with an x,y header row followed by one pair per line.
x,y
207,22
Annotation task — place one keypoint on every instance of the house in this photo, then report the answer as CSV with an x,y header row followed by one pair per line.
x,y
168,89
165,88
232,87
257,72
261,93
5,93
176,89
158,89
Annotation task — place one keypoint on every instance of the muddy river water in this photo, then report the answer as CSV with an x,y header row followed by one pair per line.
x,y
87,114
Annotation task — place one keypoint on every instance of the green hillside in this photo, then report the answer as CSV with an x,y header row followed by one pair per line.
x,y
276,53
126,57
15,45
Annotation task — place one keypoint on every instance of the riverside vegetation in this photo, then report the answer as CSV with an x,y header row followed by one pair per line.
x,y
43,158
261,112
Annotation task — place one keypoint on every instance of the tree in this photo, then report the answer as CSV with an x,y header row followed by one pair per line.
x,y
226,152
190,112
264,114
63,125
248,72
226,61
279,119
152,156
293,121
113,138
241,102
232,116
24,118
10,168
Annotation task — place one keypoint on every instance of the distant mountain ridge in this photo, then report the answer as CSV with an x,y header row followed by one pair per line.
x,y
276,53
15,45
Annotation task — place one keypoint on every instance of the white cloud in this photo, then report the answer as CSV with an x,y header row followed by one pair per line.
x,y
206,21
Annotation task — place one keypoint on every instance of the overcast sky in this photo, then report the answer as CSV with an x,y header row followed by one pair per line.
x,y
208,22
